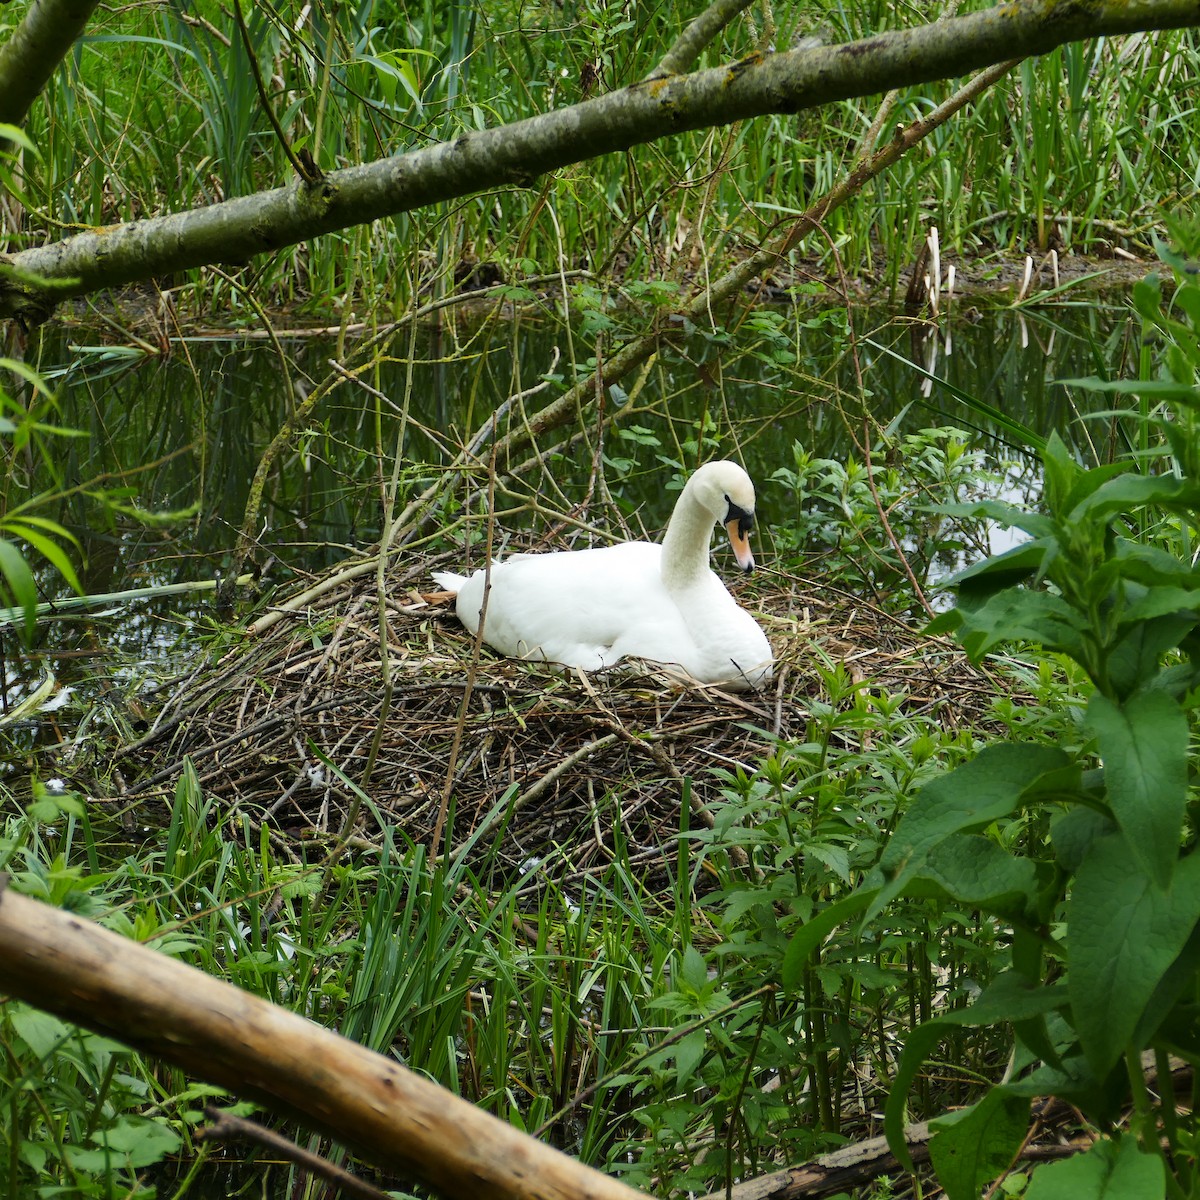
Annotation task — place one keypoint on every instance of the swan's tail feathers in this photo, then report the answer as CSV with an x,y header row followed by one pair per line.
x,y
449,580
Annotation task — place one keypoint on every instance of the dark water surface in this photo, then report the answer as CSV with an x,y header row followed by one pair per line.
x,y
159,484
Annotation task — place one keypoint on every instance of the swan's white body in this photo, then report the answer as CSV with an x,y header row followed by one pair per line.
x,y
592,608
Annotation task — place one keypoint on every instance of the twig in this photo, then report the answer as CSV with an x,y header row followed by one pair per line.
x,y
435,841
691,42
225,1127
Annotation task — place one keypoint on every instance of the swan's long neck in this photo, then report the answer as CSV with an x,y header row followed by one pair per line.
x,y
685,544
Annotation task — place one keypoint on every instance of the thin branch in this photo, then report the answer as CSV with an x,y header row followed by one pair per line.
x,y
696,36
226,1127
31,56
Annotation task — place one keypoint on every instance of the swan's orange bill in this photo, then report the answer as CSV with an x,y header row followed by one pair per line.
x,y
741,545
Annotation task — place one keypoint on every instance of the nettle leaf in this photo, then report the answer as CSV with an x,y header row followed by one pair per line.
x,y
1124,932
1143,742
973,1146
988,787
1019,614
1110,1170
1010,997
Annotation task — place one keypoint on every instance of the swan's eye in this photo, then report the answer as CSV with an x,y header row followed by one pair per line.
x,y
737,513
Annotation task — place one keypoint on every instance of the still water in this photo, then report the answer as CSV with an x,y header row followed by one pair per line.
x,y
157,485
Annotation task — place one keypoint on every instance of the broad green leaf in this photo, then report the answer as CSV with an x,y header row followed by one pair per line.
x,y
1004,515
1091,480
1151,565
1161,1013
1072,1080
1108,1171
1143,743
1124,932
41,1032
975,871
133,1142
813,932
1014,566
688,1054
1073,833
693,969
19,583
1160,601
1018,614
1061,474
1009,998
1133,491
988,787
1135,660
973,1146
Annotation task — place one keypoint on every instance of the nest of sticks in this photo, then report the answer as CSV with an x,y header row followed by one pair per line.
x,y
295,727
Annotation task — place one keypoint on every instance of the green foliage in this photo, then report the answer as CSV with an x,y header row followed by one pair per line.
x,y
1106,913
835,521
750,1074
26,431
78,1106
1044,161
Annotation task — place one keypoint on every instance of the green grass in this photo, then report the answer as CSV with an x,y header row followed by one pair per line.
x,y
1079,150
518,997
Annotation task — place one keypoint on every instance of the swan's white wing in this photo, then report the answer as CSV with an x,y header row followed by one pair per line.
x,y
592,608
569,606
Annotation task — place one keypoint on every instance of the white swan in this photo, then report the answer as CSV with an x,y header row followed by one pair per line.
x,y
592,608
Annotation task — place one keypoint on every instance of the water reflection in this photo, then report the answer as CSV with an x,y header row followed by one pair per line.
x,y
157,489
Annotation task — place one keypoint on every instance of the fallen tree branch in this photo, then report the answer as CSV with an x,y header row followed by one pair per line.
x,y
854,1165
390,1116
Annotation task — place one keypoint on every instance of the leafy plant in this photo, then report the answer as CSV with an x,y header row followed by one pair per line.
x,y
24,531
838,502
1105,913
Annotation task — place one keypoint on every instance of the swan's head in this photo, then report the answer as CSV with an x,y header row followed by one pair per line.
x,y
725,490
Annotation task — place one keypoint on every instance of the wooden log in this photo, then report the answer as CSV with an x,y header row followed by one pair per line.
x,y
216,1032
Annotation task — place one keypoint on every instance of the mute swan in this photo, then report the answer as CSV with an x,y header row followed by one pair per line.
x,y
592,608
